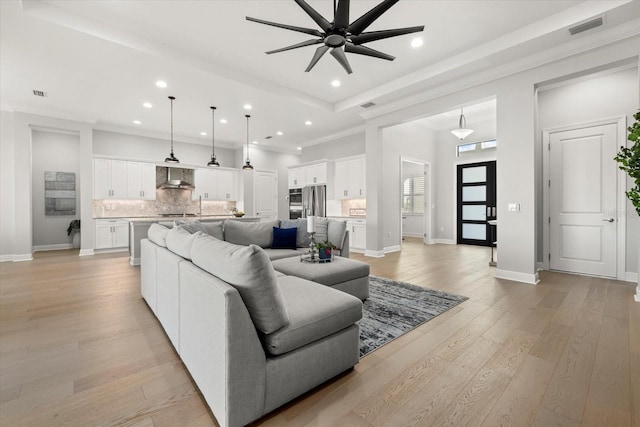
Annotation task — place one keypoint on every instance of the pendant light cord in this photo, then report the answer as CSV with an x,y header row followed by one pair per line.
x,y
213,128
247,116
172,98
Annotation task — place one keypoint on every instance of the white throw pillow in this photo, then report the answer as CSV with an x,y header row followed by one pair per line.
x,y
158,234
179,241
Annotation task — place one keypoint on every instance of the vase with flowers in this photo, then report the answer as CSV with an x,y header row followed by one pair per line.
x,y
325,249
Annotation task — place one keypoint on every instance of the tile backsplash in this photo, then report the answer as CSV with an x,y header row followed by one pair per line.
x,y
349,205
168,201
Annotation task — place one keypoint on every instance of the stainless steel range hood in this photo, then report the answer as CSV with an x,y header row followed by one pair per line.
x,y
177,178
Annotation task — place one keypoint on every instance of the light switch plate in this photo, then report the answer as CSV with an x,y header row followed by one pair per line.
x,y
513,207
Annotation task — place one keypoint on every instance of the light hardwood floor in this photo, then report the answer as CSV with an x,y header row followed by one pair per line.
x,y
79,347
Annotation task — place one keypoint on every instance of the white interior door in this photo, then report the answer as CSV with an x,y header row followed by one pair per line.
x,y
266,195
582,200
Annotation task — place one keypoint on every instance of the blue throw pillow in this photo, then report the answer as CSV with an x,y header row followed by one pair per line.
x,y
284,238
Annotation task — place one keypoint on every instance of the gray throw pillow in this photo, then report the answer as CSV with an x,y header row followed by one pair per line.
x,y
179,241
158,234
190,226
335,232
322,232
248,269
214,229
247,233
302,237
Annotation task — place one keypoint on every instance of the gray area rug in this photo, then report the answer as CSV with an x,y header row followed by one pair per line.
x,y
394,308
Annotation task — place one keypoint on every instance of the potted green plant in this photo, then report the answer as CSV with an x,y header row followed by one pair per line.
x,y
629,161
325,248
74,231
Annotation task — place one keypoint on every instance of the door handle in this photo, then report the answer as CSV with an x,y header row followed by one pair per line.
x,y
488,210
608,219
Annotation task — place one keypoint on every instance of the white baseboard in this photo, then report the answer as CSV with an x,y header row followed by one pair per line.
x,y
108,251
86,252
41,248
443,241
540,266
531,279
6,258
374,254
22,257
411,234
134,261
394,248
631,277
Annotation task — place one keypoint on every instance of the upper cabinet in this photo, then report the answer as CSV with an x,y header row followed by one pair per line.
x,y
109,179
119,179
216,184
141,181
315,174
349,179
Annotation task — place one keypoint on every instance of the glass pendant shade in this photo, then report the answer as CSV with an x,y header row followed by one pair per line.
x,y
172,158
247,165
462,132
213,162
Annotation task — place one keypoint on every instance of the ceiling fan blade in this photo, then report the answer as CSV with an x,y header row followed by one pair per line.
x,y
342,14
338,53
295,46
363,50
360,24
379,35
316,56
322,23
286,27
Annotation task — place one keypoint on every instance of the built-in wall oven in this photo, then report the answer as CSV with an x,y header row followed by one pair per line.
x,y
295,203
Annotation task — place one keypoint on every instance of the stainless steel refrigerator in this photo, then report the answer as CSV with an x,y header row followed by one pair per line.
x,y
314,201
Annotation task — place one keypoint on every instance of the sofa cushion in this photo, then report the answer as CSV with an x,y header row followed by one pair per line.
x,y
158,234
190,226
335,232
302,236
248,269
214,229
314,313
179,241
247,233
284,238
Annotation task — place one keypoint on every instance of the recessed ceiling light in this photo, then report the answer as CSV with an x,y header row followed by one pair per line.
x,y
279,133
138,122
147,105
161,83
247,106
255,142
417,42
335,83
203,133
223,121
299,148
308,123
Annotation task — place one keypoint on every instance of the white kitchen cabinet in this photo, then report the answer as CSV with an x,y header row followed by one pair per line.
x,y
141,181
357,234
296,177
216,184
349,179
109,179
315,174
112,233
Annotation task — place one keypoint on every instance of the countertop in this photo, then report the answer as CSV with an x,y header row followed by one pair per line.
x,y
173,218
346,217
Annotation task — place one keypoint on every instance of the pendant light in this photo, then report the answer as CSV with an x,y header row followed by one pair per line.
x,y
462,132
247,165
171,158
213,162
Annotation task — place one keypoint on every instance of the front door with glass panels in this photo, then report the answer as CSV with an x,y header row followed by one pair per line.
x,y
476,202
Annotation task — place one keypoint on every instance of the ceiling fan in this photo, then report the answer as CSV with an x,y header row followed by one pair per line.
x,y
341,36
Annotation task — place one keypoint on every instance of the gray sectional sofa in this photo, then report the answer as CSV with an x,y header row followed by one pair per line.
x,y
251,337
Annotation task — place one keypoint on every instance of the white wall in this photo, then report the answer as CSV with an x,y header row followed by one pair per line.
x,y
593,98
7,186
445,212
347,146
56,152
516,156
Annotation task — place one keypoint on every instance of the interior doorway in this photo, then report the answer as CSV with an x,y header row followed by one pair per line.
x,y
415,193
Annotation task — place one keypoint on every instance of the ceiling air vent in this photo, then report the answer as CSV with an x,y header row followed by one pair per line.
x,y
368,105
39,93
585,26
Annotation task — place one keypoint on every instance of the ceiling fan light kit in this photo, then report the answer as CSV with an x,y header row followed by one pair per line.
x,y
172,158
462,132
341,36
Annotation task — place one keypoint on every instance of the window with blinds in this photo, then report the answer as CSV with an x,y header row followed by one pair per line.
x,y
413,196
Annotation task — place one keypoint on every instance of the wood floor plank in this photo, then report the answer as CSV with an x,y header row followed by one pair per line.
x,y
79,347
